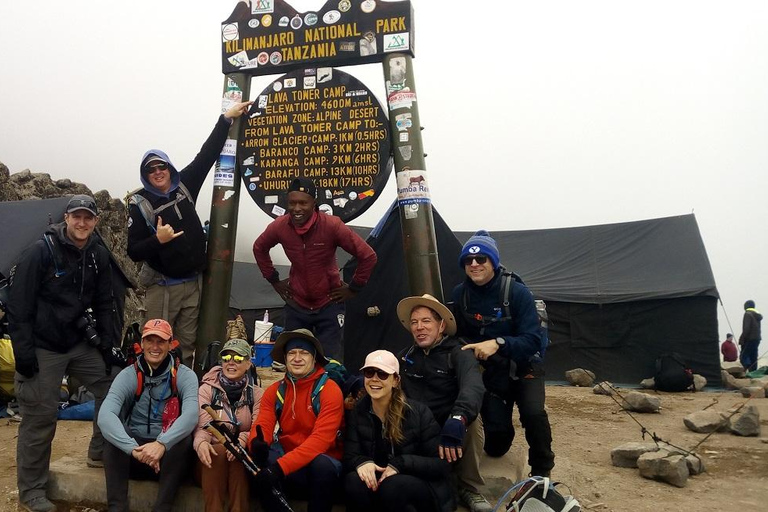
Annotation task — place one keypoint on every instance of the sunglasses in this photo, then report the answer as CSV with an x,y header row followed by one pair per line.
x,y
81,203
368,373
157,167
229,357
480,260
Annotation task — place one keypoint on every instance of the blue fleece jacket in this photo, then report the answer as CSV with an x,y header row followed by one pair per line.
x,y
521,333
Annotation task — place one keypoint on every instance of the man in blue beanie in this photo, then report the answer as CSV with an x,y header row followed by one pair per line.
x,y
497,313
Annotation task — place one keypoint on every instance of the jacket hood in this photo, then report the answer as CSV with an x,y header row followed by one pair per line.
x,y
756,313
174,173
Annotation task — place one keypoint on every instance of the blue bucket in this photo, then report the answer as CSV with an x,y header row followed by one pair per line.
x,y
263,357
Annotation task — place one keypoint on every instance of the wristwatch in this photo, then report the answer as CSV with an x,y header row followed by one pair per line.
x,y
500,341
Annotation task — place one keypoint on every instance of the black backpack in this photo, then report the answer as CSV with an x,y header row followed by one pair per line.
x,y
672,374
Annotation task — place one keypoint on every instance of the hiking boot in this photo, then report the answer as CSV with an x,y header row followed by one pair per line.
x,y
278,367
475,501
39,504
94,463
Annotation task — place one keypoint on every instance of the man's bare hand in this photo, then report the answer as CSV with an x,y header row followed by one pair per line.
x,y
483,350
283,289
237,109
342,293
150,454
165,232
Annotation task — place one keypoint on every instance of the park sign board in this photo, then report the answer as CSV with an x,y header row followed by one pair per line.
x,y
322,124
265,37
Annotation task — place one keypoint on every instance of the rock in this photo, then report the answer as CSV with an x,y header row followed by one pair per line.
x,y
729,381
65,183
734,369
753,392
695,464
699,381
580,377
625,455
743,383
746,423
648,383
603,388
662,466
641,402
705,421
22,177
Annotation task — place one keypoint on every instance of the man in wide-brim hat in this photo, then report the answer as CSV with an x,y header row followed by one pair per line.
x,y
308,407
436,372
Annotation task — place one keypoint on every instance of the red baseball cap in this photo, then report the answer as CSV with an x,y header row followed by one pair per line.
x,y
158,327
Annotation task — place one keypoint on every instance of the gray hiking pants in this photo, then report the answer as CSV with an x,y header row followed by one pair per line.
x,y
38,404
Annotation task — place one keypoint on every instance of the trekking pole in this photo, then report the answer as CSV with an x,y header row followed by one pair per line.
x,y
230,441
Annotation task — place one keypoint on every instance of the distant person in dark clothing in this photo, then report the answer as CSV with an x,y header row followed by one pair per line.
x,y
729,350
750,336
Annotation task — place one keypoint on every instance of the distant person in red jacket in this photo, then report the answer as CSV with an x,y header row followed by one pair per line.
x,y
729,350
314,292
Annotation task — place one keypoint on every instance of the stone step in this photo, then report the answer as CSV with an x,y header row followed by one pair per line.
x,y
73,482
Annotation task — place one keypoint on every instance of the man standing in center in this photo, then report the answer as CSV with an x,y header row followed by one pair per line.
x,y
314,292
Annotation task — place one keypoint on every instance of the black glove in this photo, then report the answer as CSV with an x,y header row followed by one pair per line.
x,y
27,366
259,449
453,432
112,356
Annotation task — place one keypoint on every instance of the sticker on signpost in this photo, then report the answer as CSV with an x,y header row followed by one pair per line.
x,y
412,187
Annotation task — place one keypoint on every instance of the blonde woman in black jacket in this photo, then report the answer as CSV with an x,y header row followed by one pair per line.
x,y
391,447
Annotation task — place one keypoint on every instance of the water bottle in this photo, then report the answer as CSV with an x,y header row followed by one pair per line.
x,y
266,316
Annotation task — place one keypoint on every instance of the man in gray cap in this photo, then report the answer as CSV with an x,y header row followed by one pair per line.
x,y
61,323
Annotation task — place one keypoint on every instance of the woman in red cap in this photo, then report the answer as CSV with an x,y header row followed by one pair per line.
x,y
390,448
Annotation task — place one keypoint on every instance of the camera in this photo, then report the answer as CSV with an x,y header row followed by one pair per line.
x,y
87,325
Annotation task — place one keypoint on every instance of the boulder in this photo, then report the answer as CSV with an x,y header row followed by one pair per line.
x,y
626,455
729,381
699,381
746,423
580,377
706,421
603,388
734,368
641,402
753,392
695,464
648,383
662,466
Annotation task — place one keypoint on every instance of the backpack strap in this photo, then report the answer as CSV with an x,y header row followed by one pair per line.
x,y
55,255
150,214
315,397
